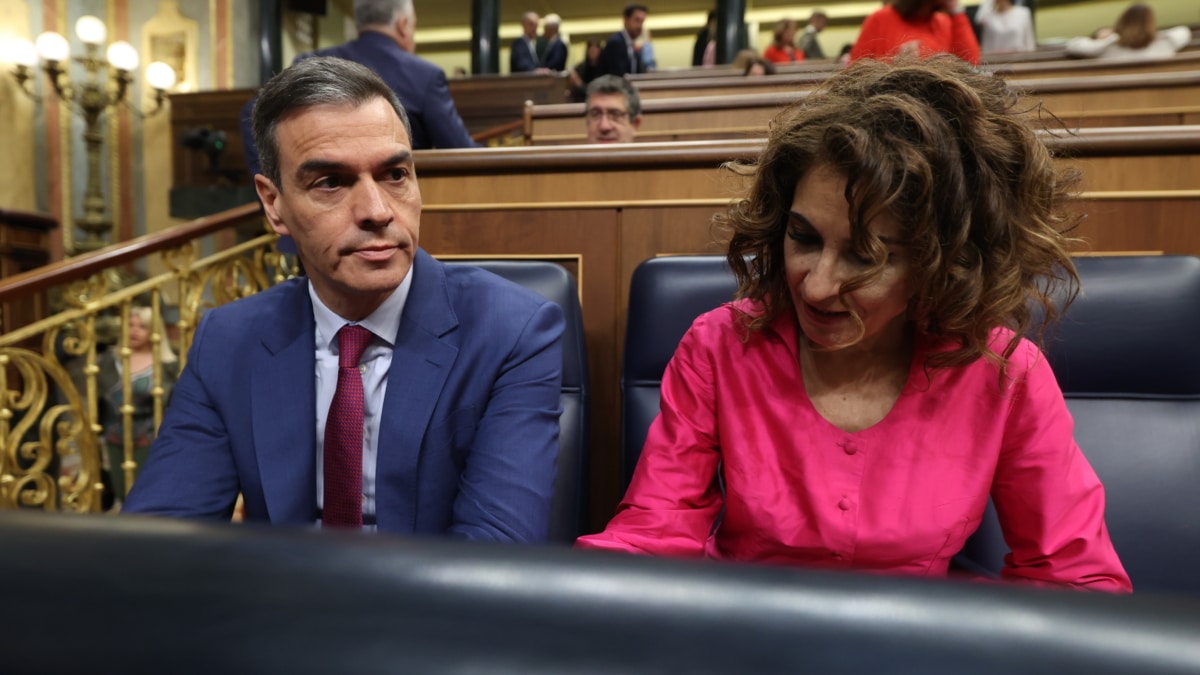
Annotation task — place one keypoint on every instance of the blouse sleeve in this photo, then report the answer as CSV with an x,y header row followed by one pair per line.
x,y
674,498
963,42
1086,47
1048,498
1178,37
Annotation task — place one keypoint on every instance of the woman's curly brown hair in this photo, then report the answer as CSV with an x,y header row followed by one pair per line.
x,y
944,149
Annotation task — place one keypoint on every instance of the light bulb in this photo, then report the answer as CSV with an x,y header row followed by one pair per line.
x,y
91,30
21,53
53,47
122,56
160,76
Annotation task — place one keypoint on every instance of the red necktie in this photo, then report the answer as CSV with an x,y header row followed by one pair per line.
x,y
344,434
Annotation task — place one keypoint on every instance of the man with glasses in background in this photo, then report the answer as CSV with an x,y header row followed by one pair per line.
x,y
613,110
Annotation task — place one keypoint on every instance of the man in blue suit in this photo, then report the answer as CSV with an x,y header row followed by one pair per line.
x,y
458,386
386,44
620,56
555,55
523,56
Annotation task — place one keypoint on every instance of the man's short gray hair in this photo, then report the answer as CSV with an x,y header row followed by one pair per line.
x,y
380,12
611,84
320,80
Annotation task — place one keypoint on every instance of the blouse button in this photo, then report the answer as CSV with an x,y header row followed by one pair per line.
x,y
844,504
850,447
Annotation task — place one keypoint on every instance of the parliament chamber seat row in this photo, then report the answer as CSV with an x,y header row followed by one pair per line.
x,y
738,106
1124,354
156,595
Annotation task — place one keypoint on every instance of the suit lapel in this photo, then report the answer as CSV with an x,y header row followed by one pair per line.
x,y
283,404
421,363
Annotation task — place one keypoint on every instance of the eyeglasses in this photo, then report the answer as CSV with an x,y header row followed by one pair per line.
x,y
615,116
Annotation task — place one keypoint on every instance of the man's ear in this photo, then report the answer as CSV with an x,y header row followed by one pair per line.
x,y
637,122
268,194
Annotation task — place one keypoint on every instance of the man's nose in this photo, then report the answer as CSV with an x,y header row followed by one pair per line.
x,y
370,207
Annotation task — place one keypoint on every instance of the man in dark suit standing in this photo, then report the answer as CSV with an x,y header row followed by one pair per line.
x,y
384,390
554,58
619,57
386,44
523,56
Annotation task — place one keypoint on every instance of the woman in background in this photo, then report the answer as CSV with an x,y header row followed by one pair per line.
x,y
919,27
1134,37
585,71
871,388
1006,27
783,46
111,383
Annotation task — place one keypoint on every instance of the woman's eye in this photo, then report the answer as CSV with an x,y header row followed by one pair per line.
x,y
804,238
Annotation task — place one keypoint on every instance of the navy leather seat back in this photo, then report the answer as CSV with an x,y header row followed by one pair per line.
x,y
665,297
569,510
1126,356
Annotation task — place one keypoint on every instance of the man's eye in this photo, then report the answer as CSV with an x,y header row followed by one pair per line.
x,y
397,174
328,182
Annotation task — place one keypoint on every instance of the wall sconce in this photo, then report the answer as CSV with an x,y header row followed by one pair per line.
x,y
91,98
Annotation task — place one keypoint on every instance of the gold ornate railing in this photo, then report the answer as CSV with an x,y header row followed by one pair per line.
x,y
53,412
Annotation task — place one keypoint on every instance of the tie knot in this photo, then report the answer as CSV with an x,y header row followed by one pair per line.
x,y
352,342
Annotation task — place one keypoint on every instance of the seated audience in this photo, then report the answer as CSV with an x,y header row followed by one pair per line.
x,y
759,67
1006,27
921,27
1134,37
809,44
382,390
585,71
613,110
783,44
871,387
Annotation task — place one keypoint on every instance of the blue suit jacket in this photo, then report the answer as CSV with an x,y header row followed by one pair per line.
x,y
469,433
522,58
555,57
420,85
614,58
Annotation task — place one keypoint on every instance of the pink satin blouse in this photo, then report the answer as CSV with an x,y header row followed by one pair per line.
x,y
901,496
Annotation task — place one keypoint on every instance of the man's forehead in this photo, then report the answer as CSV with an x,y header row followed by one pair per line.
x,y
607,101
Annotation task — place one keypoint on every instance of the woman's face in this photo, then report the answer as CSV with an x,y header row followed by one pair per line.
x,y
593,53
819,258
139,334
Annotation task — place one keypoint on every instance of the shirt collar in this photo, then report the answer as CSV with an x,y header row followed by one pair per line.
x,y
384,322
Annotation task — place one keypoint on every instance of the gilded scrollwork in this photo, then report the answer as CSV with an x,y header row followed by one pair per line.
x,y
49,457
52,440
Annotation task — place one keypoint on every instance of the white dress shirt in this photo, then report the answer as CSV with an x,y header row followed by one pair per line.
x,y
384,323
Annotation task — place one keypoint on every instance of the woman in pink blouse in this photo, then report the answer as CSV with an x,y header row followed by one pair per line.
x,y
870,389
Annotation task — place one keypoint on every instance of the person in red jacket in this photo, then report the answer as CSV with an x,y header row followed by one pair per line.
x,y
917,26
